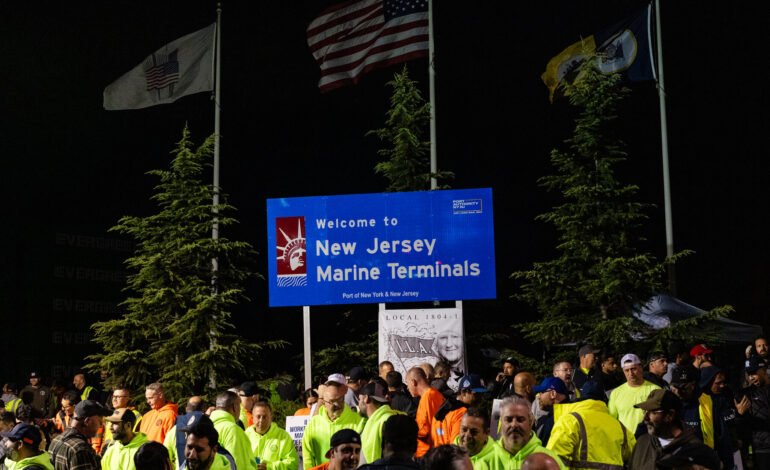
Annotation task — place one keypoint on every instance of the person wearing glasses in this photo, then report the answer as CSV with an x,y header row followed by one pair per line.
x,y
333,416
565,371
120,398
63,419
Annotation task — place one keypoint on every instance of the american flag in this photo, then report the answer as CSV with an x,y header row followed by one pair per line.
x,y
165,73
352,38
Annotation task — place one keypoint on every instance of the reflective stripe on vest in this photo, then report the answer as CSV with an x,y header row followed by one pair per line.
x,y
87,390
13,405
583,462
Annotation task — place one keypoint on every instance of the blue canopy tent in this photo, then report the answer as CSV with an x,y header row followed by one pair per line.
x,y
662,310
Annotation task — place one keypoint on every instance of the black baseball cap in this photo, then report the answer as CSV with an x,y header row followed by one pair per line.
x,y
375,391
88,408
249,389
356,373
655,355
684,374
755,363
343,436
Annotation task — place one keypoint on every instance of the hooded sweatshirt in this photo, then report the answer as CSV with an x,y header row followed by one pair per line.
x,y
40,460
156,423
234,439
275,448
121,456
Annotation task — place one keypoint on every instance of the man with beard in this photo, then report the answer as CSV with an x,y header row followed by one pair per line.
x,y
344,453
697,409
270,443
754,410
22,446
120,398
666,439
585,435
550,392
608,371
201,447
125,443
517,439
373,404
474,437
333,416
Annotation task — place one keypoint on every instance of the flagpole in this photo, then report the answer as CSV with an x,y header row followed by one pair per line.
x,y
215,202
432,81
217,119
664,151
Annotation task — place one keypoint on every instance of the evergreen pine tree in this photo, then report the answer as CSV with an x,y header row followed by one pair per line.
x,y
589,291
177,323
406,163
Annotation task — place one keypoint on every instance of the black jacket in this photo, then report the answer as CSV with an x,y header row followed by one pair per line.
x,y
649,455
757,417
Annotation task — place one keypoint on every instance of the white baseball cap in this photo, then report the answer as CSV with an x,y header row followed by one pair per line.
x,y
630,360
338,378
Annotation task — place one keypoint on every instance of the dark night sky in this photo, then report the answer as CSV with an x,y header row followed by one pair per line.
x,y
72,168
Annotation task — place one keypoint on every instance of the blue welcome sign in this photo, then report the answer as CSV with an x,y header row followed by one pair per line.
x,y
387,247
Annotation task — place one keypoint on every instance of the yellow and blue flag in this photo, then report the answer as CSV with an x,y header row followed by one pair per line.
x,y
624,48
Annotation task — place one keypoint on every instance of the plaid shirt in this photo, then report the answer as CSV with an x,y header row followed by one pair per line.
x,y
71,451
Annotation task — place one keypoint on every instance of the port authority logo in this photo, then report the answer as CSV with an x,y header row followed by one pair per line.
x,y
619,52
291,257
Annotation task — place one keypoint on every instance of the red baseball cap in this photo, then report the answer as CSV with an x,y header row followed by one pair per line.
x,y
700,349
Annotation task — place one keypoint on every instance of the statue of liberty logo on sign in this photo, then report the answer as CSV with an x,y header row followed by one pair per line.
x,y
292,256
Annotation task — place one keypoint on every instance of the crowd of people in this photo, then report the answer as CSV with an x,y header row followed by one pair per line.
x,y
599,411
